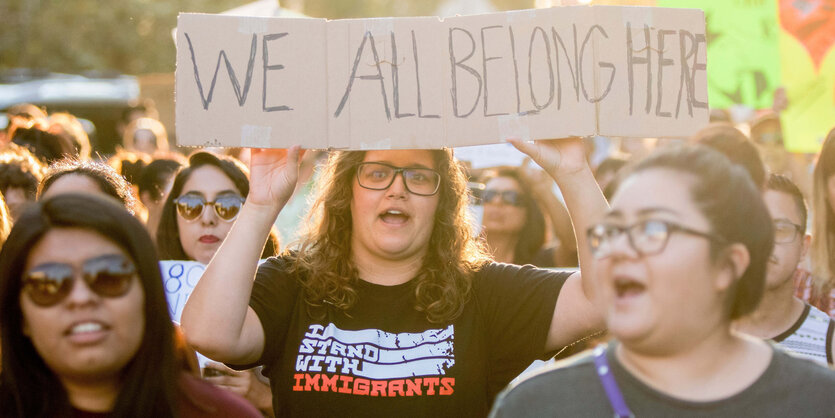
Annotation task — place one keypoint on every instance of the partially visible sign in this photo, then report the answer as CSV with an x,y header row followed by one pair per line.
x,y
808,59
742,38
179,279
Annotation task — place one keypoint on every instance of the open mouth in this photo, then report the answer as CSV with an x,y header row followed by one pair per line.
x,y
394,217
626,288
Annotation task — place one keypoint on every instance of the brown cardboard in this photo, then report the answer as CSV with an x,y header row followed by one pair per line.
x,y
353,84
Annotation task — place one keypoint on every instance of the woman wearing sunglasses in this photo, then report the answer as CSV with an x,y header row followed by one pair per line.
x,y
513,225
201,207
204,201
681,254
390,306
84,323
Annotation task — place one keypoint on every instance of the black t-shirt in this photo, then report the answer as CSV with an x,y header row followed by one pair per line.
x,y
384,358
789,387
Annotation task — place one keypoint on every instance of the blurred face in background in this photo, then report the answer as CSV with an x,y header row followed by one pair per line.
x,y
789,244
201,237
504,211
144,141
16,201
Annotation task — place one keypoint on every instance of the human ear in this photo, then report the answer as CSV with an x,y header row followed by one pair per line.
x,y
734,261
807,242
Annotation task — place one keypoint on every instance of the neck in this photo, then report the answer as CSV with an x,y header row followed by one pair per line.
x,y
385,271
775,314
502,246
716,367
95,395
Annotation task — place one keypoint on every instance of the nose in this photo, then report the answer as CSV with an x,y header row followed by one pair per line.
x,y
208,217
397,189
81,294
620,246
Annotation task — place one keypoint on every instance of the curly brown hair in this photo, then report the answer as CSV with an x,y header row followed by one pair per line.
x,y
323,260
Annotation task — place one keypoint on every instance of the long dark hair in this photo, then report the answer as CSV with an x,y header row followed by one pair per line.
x,y
168,234
28,388
444,282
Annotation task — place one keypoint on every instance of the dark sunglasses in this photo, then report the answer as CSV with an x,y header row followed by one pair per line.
x,y
510,197
107,275
227,207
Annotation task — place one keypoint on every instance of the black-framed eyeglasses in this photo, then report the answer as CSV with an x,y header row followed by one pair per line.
x,y
380,176
646,237
108,275
511,197
786,232
227,206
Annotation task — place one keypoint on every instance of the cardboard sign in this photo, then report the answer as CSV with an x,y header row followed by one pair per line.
x,y
400,83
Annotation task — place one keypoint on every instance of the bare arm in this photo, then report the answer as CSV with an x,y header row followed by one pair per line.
x,y
576,314
217,319
541,186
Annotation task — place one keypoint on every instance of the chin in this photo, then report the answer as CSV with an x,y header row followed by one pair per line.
x,y
628,330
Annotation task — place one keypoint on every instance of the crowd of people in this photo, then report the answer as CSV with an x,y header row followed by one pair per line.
x,y
361,283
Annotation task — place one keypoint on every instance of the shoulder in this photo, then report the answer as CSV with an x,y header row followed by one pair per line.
x,y
541,389
202,399
791,369
501,271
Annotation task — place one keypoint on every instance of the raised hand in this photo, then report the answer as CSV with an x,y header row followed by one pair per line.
x,y
273,175
558,157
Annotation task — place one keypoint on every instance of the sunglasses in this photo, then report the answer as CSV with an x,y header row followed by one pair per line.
x,y
509,197
107,275
227,207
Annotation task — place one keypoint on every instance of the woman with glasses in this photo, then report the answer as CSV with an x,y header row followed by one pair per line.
x,y
680,255
513,225
390,305
84,323
205,198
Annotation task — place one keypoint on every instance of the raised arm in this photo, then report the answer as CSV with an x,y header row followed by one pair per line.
x,y
541,186
217,319
575,314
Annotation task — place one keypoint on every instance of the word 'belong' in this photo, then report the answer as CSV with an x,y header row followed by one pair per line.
x,y
431,83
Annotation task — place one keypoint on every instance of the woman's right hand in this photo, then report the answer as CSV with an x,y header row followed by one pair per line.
x,y
273,175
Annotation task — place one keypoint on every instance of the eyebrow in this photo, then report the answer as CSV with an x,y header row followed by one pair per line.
x,y
417,165
642,212
222,192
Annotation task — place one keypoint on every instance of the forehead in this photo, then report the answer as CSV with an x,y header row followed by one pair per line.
x,y
656,189
402,158
70,245
502,183
781,206
208,180
73,183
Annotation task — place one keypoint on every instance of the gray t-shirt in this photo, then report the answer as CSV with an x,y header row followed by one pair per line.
x,y
789,387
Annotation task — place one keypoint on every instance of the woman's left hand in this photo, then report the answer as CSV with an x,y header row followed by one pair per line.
x,y
559,157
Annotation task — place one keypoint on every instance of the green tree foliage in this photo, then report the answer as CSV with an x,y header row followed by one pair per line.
x,y
134,36
73,36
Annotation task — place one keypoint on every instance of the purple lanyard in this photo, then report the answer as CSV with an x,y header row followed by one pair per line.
x,y
607,379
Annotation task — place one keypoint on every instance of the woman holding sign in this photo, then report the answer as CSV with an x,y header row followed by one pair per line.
x,y
390,305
